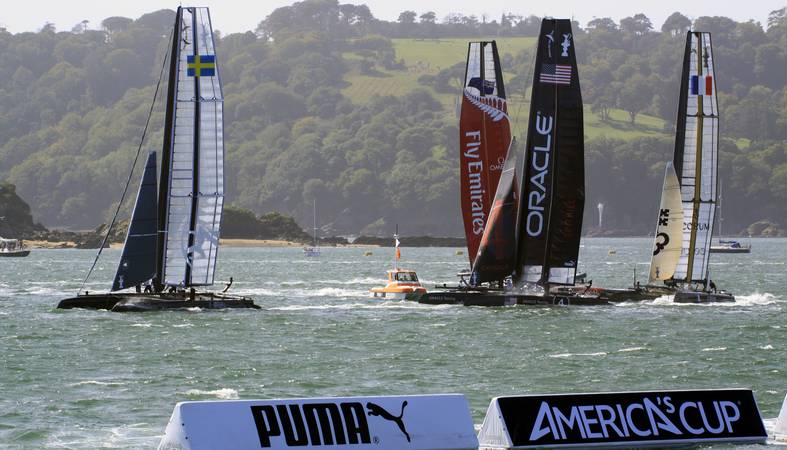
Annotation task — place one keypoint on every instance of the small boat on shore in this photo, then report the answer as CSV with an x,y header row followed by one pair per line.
x,y
402,284
13,248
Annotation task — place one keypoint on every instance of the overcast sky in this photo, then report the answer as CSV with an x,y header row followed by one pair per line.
x,y
241,15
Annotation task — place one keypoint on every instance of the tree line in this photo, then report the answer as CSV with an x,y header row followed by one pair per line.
x,y
73,104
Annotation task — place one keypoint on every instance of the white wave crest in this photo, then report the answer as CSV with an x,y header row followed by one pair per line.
x,y
714,349
569,355
755,298
223,393
98,383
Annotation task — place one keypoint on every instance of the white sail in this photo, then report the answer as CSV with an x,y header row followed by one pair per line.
x,y
696,157
668,239
196,179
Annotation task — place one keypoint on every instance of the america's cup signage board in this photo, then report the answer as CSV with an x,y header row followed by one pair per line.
x,y
418,422
623,419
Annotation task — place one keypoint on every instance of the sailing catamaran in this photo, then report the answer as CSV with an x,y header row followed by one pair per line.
x,y
529,242
681,246
696,159
172,242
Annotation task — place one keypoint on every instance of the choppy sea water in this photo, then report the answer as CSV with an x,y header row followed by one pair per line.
x,y
90,379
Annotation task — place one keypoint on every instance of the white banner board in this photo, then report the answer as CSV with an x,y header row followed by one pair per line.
x,y
418,422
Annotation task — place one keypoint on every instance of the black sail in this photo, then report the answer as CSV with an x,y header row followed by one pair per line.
x,y
138,262
553,186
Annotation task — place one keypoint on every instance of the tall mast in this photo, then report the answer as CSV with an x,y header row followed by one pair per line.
x,y
314,219
195,177
166,153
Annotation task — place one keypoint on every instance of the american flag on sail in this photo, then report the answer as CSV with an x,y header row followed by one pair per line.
x,y
555,74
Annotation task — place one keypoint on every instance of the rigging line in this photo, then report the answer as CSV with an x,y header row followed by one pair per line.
x,y
130,174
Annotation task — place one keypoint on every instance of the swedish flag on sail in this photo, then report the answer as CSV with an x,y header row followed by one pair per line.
x,y
201,65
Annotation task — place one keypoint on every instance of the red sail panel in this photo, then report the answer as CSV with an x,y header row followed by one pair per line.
x,y
484,138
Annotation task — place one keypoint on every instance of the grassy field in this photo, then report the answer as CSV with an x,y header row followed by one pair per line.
x,y
429,56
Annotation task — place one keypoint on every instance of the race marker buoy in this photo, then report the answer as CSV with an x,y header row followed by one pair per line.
x,y
622,419
419,422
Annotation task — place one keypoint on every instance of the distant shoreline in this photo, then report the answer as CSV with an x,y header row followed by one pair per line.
x,y
281,243
278,243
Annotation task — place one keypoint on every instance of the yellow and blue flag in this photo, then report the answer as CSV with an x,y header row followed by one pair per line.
x,y
201,65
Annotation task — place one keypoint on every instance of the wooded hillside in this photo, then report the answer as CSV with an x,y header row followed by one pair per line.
x,y
325,102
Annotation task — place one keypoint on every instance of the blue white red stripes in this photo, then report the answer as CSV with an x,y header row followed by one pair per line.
x,y
701,85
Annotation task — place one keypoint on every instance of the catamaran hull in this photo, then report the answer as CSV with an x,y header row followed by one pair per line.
x,y
703,297
497,299
632,294
156,302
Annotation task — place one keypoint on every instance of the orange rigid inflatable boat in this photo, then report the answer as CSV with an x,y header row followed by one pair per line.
x,y
402,284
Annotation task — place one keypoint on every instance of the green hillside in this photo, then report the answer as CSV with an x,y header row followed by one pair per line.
x,y
430,56
324,103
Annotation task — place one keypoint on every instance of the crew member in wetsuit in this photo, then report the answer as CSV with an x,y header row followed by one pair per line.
x,y
712,286
227,286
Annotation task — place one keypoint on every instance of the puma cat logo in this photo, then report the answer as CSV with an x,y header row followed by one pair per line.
x,y
377,410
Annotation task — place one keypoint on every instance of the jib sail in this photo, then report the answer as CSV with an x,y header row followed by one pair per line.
x,y
497,251
138,261
696,156
552,196
484,138
667,241
192,179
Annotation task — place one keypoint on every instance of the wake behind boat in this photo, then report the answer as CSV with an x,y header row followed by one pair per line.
x,y
172,242
529,243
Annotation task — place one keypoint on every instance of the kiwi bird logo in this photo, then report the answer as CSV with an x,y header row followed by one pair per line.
x,y
377,410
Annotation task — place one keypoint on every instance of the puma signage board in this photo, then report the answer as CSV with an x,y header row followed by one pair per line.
x,y
622,419
419,422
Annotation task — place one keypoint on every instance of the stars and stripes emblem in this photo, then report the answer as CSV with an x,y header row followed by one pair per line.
x,y
555,74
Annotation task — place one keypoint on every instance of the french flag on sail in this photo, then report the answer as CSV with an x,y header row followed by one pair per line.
x,y
701,85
